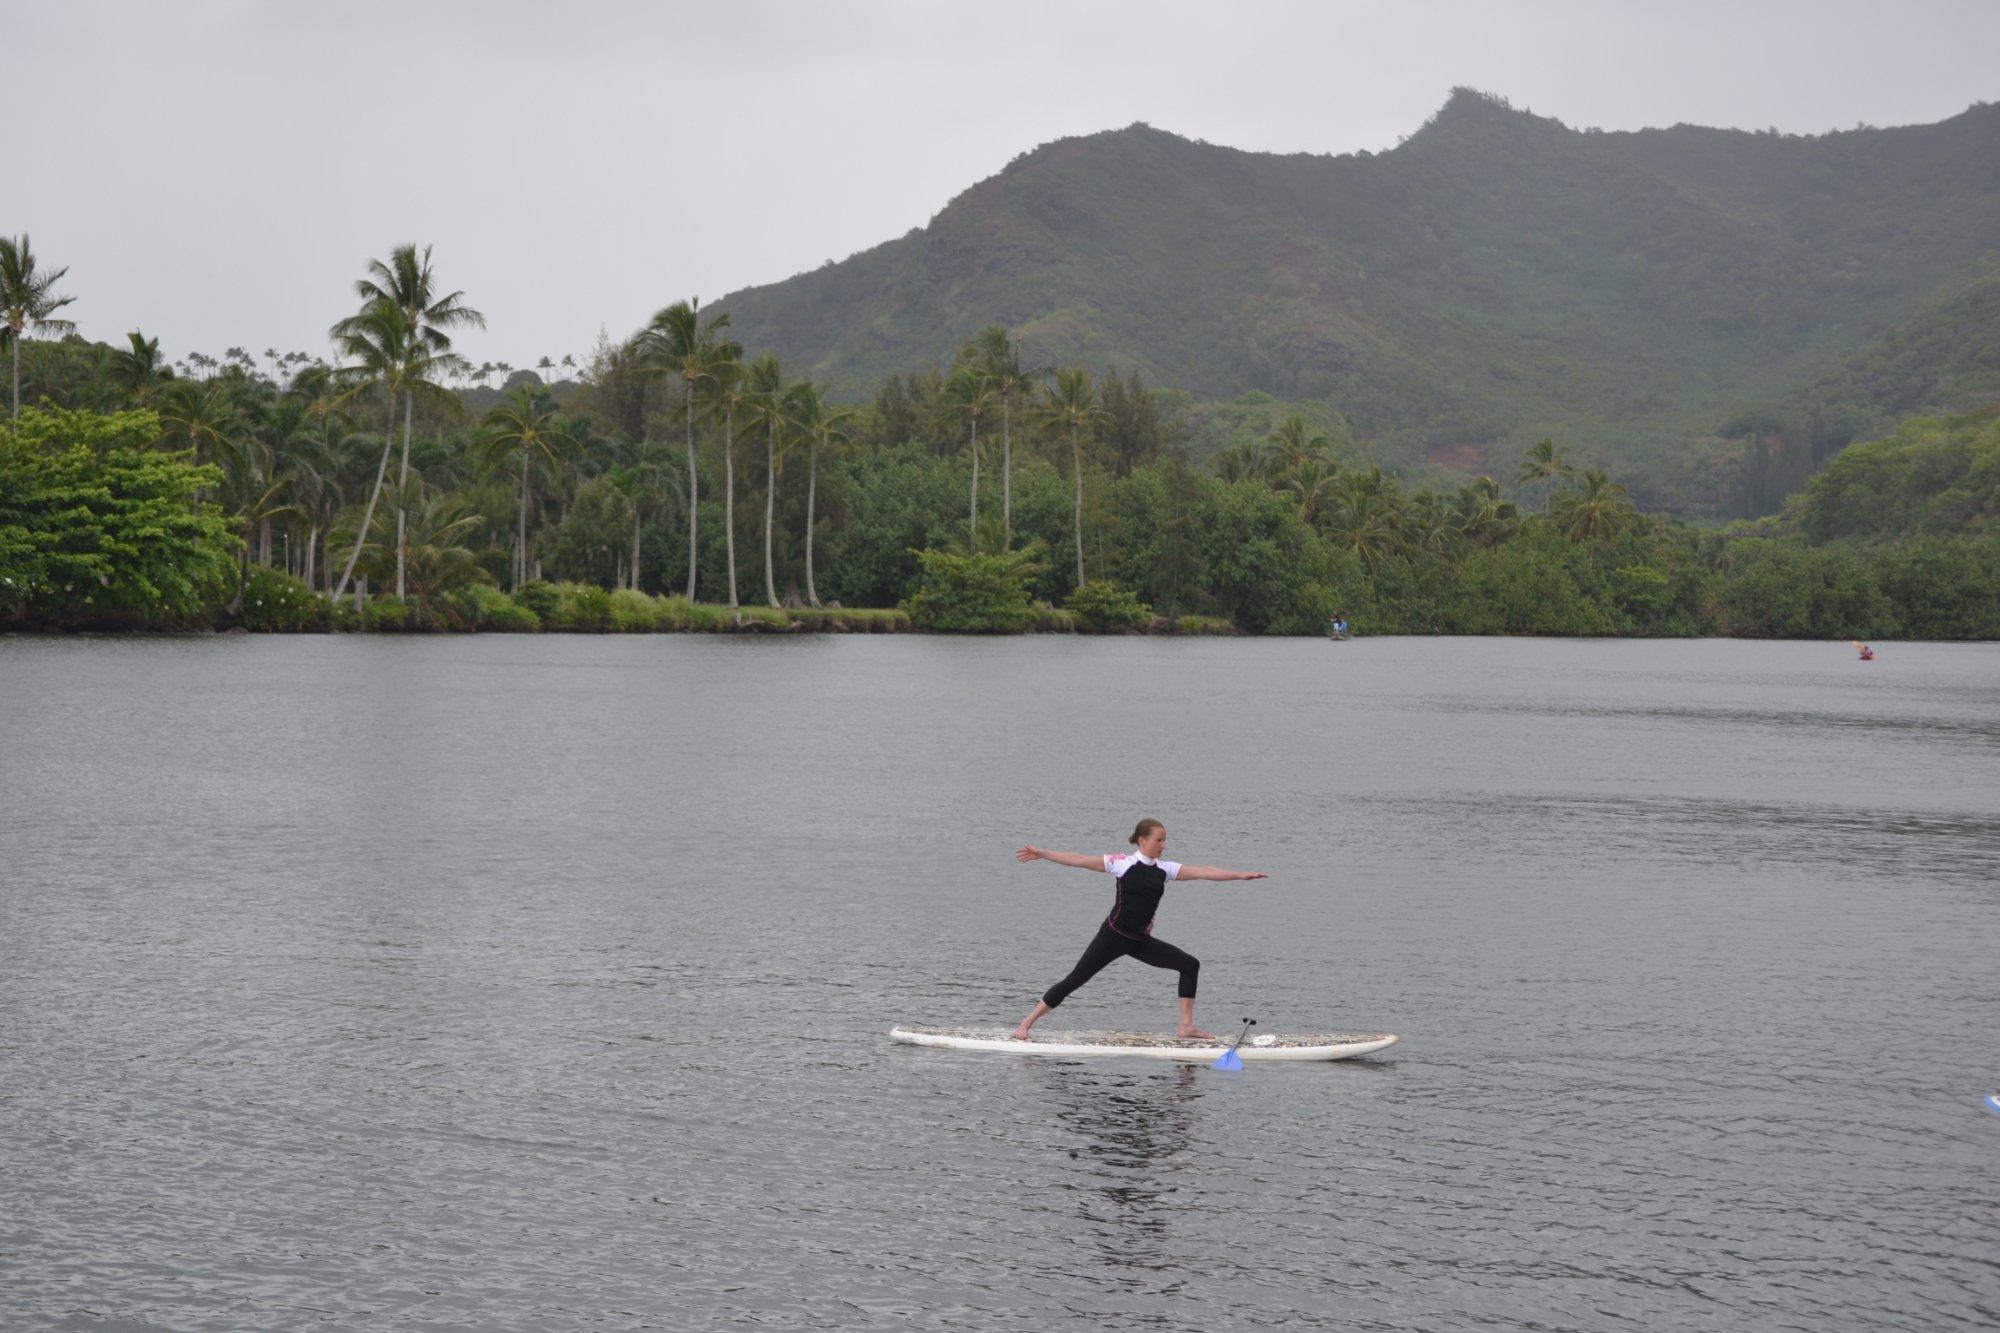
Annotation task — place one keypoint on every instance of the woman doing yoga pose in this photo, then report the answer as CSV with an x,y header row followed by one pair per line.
x,y
1142,878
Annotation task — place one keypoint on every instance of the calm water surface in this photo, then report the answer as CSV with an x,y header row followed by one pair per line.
x,y
543,983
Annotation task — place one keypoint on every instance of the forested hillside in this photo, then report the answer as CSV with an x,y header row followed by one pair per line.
x,y
1667,301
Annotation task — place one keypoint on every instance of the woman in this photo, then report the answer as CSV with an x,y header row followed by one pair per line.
x,y
1142,877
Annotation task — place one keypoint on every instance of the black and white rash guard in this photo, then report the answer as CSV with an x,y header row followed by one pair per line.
x,y
1141,881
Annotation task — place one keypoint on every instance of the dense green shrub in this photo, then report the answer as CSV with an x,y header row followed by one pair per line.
x,y
1046,619
487,608
387,615
583,609
678,613
541,598
1102,607
634,612
1266,570
970,594
96,528
1943,588
275,602
1777,589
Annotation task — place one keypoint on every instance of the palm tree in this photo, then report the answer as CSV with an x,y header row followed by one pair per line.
x,y
727,395
1367,517
1242,462
196,415
970,393
308,461
377,341
1290,448
820,427
1071,404
1000,357
1547,464
1482,517
1596,511
767,404
139,370
407,283
642,476
686,347
1313,487
525,429
254,496
28,300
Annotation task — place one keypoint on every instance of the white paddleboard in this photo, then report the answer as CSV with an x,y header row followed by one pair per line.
x,y
1309,1046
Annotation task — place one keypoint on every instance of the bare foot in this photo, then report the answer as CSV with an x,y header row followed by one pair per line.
x,y
1195,1034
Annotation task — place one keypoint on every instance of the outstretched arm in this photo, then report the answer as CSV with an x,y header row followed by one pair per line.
x,y
1217,872
1060,858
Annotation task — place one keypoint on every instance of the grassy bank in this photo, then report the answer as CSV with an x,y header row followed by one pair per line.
x,y
274,603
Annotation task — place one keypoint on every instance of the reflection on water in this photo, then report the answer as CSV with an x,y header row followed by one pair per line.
x,y
1129,1131
544,983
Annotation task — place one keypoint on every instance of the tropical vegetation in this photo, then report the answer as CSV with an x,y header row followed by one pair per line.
x,y
140,492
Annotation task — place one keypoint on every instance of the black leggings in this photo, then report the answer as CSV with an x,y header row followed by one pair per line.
x,y
1110,945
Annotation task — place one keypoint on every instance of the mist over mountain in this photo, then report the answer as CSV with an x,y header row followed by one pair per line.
x,y
1658,299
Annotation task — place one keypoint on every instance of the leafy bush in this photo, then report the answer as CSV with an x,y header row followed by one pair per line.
x,y
1046,619
1102,606
386,614
486,608
1943,588
634,612
277,603
1779,590
680,615
970,593
1266,569
540,597
95,528
583,609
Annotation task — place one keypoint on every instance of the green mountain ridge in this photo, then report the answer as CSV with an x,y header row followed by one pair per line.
x,y
1495,278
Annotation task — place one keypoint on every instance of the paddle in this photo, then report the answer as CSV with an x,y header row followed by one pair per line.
x,y
1230,1059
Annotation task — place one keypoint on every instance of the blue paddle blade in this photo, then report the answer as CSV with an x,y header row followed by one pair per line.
x,y
1229,1060
1993,1104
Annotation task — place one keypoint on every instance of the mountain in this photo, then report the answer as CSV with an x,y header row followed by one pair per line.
x,y
1497,277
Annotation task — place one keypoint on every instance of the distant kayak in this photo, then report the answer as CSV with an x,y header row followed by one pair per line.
x,y
1300,1047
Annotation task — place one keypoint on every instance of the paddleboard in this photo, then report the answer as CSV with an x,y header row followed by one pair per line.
x,y
1307,1046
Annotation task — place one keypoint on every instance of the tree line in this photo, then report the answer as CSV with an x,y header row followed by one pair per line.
x,y
970,492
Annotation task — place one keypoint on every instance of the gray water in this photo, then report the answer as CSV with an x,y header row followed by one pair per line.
x,y
544,983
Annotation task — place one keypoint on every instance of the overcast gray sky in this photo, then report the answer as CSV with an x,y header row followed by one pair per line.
x,y
219,172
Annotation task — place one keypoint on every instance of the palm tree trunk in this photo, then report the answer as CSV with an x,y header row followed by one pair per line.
x,y
770,505
521,529
264,542
367,516
1076,453
635,546
812,498
402,484
972,539
694,487
16,340
312,539
729,498
1006,473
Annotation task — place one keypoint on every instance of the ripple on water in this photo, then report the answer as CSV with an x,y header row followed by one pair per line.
x,y
546,984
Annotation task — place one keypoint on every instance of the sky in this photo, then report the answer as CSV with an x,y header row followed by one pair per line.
x,y
219,172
